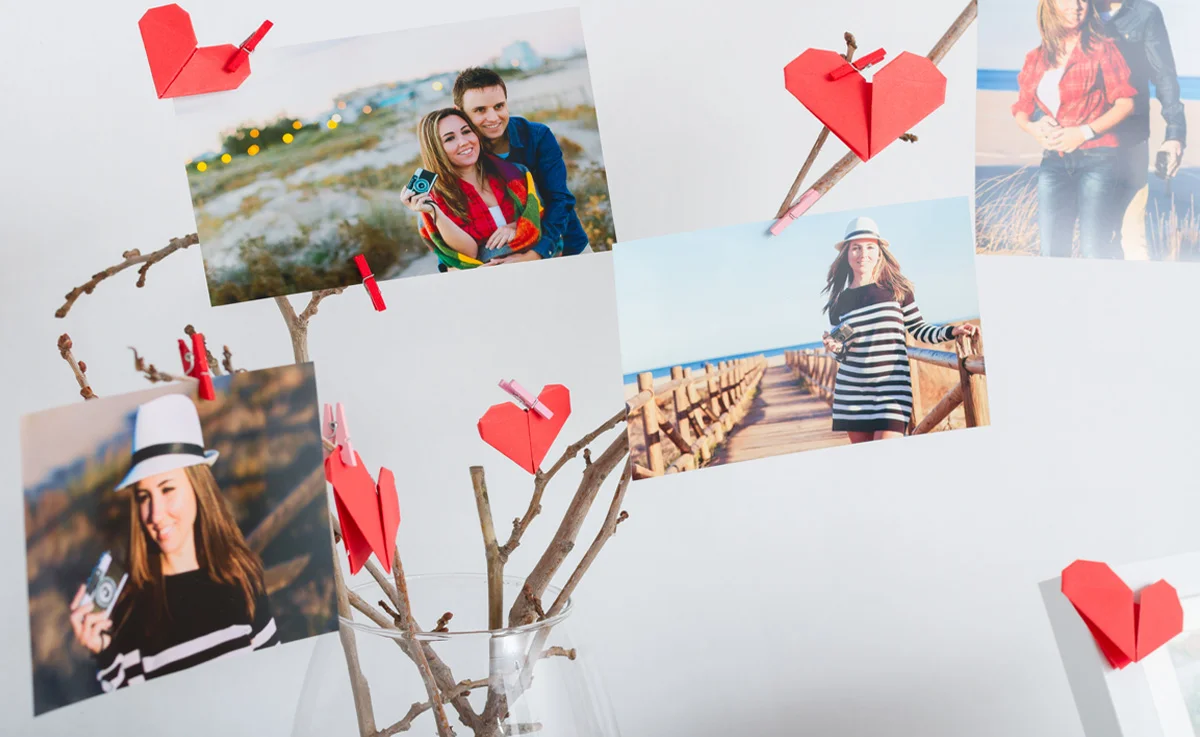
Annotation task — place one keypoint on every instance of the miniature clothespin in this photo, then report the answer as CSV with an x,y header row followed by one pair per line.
x,y
180,67
858,65
195,365
523,397
337,431
242,55
364,269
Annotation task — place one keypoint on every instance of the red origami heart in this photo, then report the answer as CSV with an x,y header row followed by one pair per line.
x,y
866,116
369,513
1126,630
180,68
523,435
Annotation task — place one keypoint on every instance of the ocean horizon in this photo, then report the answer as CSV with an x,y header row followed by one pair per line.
x,y
1005,80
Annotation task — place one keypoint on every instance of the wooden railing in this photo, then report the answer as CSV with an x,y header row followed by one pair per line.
x,y
694,413
819,368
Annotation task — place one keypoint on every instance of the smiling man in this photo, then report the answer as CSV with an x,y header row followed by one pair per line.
x,y
483,96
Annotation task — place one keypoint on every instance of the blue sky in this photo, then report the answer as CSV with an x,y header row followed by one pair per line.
x,y
691,296
304,79
1008,30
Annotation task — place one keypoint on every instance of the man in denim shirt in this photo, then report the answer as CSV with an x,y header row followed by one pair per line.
x,y
483,96
1140,33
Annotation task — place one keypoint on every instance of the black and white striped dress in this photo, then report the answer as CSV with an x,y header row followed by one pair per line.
x,y
873,389
207,620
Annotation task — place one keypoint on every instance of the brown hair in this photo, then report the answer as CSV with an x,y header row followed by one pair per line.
x,y
220,549
435,159
887,275
1051,27
476,78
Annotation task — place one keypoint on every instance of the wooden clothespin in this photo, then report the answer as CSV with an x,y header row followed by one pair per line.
x,y
364,269
337,431
860,64
242,55
195,365
525,399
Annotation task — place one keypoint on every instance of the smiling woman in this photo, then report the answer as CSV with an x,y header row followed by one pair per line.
x,y
196,590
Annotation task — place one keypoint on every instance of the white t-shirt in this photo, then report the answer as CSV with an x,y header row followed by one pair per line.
x,y
497,216
1047,90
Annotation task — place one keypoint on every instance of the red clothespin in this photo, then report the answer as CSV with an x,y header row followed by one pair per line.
x,y
242,55
337,431
195,365
364,269
524,398
862,63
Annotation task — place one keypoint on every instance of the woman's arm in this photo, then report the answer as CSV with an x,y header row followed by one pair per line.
x,y
454,236
921,330
1069,139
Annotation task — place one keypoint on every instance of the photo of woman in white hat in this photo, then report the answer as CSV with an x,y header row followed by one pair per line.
x,y
195,590
873,394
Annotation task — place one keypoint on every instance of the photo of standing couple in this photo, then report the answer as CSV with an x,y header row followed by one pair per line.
x,y
1098,124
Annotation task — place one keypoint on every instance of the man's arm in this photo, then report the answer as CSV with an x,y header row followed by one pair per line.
x,y
1162,73
557,199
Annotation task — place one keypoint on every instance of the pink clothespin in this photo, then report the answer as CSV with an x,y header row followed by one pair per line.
x,y
242,55
337,431
524,398
807,200
364,269
862,63
195,365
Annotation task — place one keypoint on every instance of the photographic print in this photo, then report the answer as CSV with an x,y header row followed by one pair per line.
x,y
1083,110
848,328
426,150
163,531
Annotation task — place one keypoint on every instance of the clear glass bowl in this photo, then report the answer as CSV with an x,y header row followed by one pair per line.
x,y
523,680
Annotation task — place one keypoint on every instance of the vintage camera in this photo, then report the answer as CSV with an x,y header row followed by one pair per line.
x,y
422,181
842,333
104,585
1161,161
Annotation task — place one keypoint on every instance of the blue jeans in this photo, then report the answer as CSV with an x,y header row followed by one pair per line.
x,y
1083,186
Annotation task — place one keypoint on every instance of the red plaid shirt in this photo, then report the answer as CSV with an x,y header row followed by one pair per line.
x,y
1092,81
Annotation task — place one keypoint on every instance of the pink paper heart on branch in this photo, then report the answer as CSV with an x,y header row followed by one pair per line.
x,y
866,116
523,435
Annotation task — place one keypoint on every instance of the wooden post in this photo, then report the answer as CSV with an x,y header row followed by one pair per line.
x,y
974,386
681,406
654,451
914,372
693,395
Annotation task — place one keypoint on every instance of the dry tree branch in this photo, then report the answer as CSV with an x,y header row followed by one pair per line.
x,y
559,651
131,258
227,361
297,325
543,479
79,368
442,622
152,374
408,625
420,708
213,366
359,687
495,565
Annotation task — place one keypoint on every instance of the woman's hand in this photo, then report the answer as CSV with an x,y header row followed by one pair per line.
x,y
513,258
502,237
90,627
831,345
417,202
1066,140
966,329
1043,129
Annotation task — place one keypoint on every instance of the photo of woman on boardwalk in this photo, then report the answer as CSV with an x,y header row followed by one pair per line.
x,y
874,304
481,208
803,355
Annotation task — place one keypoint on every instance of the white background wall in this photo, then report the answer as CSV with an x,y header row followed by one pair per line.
x,y
880,590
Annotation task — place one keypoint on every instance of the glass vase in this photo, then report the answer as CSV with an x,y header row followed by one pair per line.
x,y
522,680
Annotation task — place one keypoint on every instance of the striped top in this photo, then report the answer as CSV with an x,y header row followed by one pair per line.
x,y
207,620
873,389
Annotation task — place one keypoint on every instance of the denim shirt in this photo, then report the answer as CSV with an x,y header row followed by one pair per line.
x,y
1140,33
534,146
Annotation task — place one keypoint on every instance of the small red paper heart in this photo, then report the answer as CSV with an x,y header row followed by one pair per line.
x,y
522,435
866,116
1126,631
178,67
369,513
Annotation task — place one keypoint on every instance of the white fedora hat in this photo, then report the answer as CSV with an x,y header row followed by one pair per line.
x,y
166,436
861,228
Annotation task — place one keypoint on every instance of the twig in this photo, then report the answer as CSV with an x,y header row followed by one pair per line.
x,y
388,587
409,627
152,374
851,47
227,361
847,163
443,621
213,366
131,258
417,709
79,368
359,687
608,529
522,611
558,651
297,325
495,566
543,479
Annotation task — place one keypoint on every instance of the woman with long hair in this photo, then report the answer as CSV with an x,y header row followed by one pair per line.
x,y
195,590
1074,88
481,208
872,396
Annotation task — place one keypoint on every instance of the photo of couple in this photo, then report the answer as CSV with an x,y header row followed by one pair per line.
x,y
426,151
154,534
818,351
1082,151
